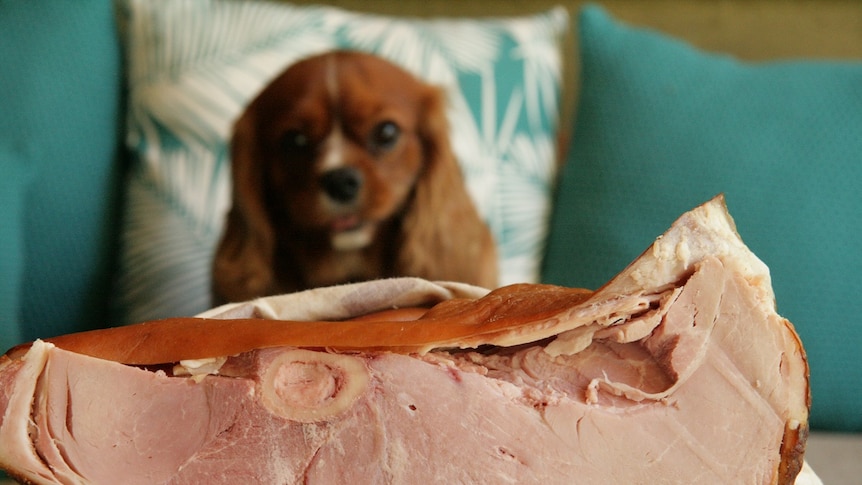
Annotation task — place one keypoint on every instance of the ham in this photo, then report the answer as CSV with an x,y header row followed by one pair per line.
x,y
679,370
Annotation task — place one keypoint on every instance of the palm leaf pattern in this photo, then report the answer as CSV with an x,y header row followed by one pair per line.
x,y
194,64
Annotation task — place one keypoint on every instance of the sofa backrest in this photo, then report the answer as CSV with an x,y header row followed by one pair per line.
x,y
60,102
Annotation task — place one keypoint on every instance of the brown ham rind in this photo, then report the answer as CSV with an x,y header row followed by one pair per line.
x,y
701,248
513,314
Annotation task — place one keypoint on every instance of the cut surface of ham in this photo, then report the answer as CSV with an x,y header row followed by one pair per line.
x,y
678,370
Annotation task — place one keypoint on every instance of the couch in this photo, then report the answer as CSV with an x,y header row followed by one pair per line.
x,y
655,107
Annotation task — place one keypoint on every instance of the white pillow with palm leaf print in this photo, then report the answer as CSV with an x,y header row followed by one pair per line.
x,y
194,64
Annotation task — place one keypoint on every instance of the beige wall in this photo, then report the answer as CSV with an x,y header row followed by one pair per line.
x,y
748,29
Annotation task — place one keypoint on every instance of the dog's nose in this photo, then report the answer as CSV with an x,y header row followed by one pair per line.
x,y
342,184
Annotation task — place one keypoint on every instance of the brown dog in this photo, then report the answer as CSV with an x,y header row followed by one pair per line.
x,y
342,172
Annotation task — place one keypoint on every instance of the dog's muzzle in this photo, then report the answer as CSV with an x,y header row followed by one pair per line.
x,y
347,231
342,185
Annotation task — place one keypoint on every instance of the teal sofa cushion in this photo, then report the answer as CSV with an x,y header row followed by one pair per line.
x,y
194,64
13,186
662,127
60,95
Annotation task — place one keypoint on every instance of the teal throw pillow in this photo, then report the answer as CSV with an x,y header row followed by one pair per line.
x,y
662,127
195,64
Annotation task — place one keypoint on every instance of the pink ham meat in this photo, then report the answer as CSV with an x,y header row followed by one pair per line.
x,y
679,370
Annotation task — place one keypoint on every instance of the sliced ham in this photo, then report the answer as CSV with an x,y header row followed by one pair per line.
x,y
678,370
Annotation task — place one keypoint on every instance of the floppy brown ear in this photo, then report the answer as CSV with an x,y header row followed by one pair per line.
x,y
443,237
242,266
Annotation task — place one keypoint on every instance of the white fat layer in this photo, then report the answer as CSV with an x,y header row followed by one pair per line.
x,y
15,430
199,368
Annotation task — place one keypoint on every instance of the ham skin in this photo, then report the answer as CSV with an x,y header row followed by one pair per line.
x,y
679,370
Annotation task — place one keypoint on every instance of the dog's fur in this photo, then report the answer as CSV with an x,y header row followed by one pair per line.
x,y
342,171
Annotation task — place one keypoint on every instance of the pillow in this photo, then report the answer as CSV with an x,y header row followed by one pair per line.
x,y
662,127
13,186
194,64
59,116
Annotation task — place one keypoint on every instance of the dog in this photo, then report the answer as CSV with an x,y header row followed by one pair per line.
x,y
343,172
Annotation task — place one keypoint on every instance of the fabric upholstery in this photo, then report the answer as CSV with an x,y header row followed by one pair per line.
x,y
662,127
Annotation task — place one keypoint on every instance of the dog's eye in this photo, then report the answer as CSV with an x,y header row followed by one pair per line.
x,y
385,135
294,141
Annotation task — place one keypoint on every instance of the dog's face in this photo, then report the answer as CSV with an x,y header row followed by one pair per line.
x,y
340,143
342,171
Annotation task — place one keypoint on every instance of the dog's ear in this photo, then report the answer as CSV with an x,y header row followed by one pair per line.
x,y
242,266
442,233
